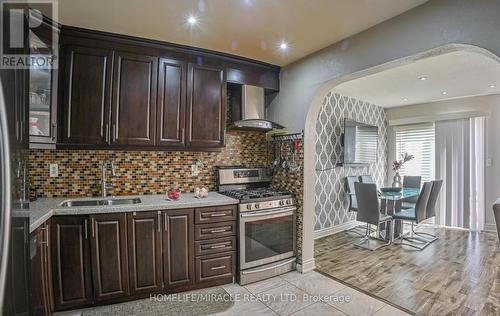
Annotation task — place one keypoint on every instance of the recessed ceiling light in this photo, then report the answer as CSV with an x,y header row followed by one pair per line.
x,y
192,20
405,99
492,86
283,45
423,78
445,93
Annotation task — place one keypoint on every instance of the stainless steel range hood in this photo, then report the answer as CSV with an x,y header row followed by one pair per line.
x,y
252,115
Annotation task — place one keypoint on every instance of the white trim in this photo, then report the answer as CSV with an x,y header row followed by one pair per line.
x,y
490,228
438,117
335,229
306,266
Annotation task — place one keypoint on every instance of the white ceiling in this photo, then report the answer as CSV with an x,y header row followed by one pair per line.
x,y
250,28
460,74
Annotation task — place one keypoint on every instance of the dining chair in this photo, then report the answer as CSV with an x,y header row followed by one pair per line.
x,y
416,215
411,182
353,203
431,206
369,213
367,178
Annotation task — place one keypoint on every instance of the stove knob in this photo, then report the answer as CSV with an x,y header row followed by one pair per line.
x,y
249,206
257,205
288,201
282,202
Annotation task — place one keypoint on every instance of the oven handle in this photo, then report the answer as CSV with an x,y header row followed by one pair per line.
x,y
268,268
271,212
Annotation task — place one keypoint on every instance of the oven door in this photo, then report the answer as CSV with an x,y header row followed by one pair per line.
x,y
266,236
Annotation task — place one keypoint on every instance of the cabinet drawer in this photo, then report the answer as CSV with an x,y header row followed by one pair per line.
x,y
211,246
214,267
209,231
215,214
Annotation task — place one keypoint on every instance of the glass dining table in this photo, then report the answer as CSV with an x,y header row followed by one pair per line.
x,y
390,203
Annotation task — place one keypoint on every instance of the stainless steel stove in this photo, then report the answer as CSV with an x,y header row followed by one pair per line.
x,y
266,223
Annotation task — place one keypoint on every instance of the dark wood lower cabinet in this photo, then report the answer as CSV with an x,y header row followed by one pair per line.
x,y
144,252
109,256
71,267
41,289
178,248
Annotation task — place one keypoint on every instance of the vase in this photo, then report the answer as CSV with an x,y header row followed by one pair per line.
x,y
396,180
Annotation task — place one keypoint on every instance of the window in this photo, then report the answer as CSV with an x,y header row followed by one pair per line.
x,y
416,140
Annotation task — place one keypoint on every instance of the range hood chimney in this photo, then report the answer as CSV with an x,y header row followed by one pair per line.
x,y
252,113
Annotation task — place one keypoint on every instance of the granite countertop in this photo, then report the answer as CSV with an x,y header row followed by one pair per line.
x,y
44,208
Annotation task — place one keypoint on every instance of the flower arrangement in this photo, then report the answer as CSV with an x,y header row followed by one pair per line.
x,y
397,164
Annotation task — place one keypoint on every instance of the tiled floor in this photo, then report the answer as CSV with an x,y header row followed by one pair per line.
x,y
311,294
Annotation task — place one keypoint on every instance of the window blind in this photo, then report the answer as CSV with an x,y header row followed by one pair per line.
x,y
417,140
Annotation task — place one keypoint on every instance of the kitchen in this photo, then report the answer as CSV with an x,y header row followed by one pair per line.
x,y
121,122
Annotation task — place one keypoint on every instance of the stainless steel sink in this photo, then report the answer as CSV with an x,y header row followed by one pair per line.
x,y
103,202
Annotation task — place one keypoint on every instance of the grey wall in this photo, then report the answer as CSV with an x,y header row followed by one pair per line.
x,y
433,24
331,205
490,104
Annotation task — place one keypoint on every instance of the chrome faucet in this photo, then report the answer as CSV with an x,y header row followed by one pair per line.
x,y
104,185
21,174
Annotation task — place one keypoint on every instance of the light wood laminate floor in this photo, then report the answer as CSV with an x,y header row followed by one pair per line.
x,y
459,274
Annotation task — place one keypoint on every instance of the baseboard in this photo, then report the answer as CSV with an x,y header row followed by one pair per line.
x,y
335,229
306,266
490,227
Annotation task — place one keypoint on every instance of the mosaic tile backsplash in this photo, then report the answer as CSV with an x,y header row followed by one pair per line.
x,y
141,172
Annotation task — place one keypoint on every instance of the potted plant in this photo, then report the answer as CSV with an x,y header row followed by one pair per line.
x,y
396,166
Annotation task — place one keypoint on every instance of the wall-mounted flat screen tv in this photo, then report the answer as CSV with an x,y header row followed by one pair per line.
x,y
359,143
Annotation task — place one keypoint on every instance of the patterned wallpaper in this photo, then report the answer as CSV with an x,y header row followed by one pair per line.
x,y
141,172
330,202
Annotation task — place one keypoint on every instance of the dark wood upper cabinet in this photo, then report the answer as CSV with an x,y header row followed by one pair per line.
x,y
87,81
134,99
71,262
206,106
109,256
171,104
144,252
178,248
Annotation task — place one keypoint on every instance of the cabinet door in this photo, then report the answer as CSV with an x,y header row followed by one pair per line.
x,y
109,256
40,281
42,93
178,250
206,110
87,81
144,252
134,99
71,262
171,105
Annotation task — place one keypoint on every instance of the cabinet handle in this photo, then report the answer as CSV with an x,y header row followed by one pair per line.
x,y
165,222
159,221
217,214
183,134
115,132
218,246
53,131
215,231
47,235
217,268
106,132
92,227
17,130
86,229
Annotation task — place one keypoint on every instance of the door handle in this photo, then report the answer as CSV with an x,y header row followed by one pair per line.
x,y
159,221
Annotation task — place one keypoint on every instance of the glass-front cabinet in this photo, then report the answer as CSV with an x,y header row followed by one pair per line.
x,y
43,90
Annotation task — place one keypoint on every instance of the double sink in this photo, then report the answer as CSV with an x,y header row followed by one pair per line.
x,y
100,202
